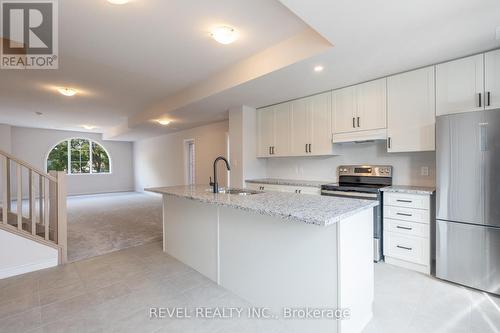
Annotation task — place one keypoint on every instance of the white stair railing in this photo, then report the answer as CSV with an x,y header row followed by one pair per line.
x,y
39,212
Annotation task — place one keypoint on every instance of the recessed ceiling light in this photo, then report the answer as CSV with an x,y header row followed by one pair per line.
x,y
89,127
118,2
318,68
224,34
163,122
67,91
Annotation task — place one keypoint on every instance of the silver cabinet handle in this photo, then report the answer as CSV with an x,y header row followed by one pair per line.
x,y
404,228
310,148
353,122
404,214
488,98
389,142
480,99
273,150
358,122
404,247
406,201
306,147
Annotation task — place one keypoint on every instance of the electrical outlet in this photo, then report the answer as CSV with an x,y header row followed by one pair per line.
x,y
424,171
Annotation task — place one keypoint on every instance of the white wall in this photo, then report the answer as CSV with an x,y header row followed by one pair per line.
x,y
33,145
5,141
160,161
29,256
243,142
407,166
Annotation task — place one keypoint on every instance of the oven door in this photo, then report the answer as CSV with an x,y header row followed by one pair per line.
x,y
377,215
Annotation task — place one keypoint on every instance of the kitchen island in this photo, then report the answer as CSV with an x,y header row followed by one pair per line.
x,y
280,251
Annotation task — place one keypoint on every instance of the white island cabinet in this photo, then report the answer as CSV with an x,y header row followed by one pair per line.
x,y
278,250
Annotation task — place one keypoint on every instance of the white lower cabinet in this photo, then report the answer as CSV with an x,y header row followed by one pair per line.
x,y
284,188
407,230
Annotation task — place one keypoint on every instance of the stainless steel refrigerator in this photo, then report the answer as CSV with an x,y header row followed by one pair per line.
x,y
468,199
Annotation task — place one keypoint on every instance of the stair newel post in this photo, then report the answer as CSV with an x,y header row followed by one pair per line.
x,y
5,190
62,226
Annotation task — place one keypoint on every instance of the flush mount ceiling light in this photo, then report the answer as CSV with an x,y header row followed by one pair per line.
x,y
163,122
318,68
67,91
118,2
89,127
224,34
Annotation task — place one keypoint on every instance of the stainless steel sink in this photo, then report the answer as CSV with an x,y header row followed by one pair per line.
x,y
237,191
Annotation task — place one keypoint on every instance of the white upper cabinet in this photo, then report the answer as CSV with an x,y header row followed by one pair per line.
x,y
265,131
344,110
311,125
282,125
411,111
371,99
360,112
320,124
492,79
460,85
300,130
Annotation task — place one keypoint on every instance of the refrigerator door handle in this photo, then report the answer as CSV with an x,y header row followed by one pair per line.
x,y
483,136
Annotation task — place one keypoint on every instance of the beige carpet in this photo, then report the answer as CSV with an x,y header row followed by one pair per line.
x,y
99,224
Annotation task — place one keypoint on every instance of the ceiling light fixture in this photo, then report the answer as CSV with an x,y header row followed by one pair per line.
x,y
67,91
318,68
118,2
163,122
89,127
224,34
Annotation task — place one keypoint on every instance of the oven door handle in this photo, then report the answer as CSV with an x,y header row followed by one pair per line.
x,y
350,194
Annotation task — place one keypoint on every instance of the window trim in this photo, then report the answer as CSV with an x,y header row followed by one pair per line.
x,y
69,173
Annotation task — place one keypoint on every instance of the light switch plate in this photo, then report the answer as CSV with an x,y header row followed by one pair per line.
x,y
424,171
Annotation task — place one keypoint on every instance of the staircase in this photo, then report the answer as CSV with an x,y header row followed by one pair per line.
x,y
33,203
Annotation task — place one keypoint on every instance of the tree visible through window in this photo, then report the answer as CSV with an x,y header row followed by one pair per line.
x,y
78,156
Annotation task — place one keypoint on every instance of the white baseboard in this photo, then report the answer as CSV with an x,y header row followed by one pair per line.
x,y
27,268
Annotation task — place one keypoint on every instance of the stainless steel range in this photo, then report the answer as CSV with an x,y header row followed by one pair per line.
x,y
364,182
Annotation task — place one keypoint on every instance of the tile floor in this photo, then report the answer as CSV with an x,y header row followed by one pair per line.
x,y
113,293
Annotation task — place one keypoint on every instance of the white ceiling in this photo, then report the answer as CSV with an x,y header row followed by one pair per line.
x,y
371,38
124,58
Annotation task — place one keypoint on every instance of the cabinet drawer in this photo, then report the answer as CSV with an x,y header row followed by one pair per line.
x,y
407,214
410,248
407,200
406,228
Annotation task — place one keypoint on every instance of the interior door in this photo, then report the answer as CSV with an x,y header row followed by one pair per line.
x,y
320,116
411,116
460,168
371,105
282,128
492,79
459,85
265,139
344,110
490,136
300,127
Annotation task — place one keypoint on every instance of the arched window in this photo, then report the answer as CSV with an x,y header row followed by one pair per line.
x,y
79,156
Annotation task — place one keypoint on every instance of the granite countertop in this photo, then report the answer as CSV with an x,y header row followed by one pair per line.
x,y
311,209
409,189
289,182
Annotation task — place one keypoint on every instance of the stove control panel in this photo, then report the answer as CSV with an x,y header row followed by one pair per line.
x,y
365,170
